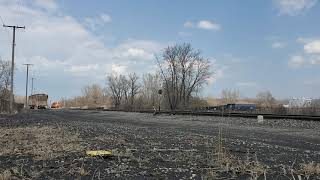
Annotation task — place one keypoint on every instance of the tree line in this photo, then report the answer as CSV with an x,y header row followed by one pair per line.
x,y
181,74
263,98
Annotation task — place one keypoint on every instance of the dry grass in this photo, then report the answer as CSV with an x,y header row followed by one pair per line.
x,y
6,175
305,171
309,169
83,171
229,163
40,142
250,166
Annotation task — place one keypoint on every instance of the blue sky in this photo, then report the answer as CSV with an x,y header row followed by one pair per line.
x,y
253,45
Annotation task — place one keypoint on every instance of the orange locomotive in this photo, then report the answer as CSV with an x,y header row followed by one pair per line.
x,y
56,105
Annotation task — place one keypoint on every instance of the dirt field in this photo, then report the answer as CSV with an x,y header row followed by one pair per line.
x,y
51,145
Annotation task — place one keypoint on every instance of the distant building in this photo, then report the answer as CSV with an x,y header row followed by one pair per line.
x,y
303,102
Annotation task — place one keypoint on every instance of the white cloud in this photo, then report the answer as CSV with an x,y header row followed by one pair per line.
x,y
203,24
303,40
278,45
310,56
312,47
95,22
304,60
315,60
105,18
218,72
46,4
82,70
246,84
293,7
137,50
188,24
58,44
297,61
65,39
208,25
211,80
119,69
41,65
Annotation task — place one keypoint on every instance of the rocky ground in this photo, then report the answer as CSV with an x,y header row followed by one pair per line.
x,y
51,144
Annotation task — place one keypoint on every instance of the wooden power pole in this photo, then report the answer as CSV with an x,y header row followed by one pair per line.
x,y
12,62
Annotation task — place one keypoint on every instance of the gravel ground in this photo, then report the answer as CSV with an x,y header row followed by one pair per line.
x,y
52,144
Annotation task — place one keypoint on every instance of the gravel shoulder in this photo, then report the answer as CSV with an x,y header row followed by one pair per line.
x,y
152,147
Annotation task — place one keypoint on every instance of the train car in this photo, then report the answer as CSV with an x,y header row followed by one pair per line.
x,y
232,107
241,107
38,101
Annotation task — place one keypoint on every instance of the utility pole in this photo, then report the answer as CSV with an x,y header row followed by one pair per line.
x,y
12,61
27,80
159,96
32,85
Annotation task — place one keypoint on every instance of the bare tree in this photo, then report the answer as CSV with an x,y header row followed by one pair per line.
x,y
184,71
230,96
151,85
134,87
124,86
4,79
123,89
265,99
115,88
93,95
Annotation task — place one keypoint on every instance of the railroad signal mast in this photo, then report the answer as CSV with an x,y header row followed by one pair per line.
x,y
12,61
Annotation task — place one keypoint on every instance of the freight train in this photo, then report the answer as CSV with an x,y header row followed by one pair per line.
x,y
233,107
38,101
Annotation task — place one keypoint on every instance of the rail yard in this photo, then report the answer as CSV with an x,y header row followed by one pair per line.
x,y
152,147
187,90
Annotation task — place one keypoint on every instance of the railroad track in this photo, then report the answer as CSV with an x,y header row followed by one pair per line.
x,y
254,115
224,114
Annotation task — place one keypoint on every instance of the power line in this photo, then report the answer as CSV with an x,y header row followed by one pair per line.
x,y
3,25
19,8
20,4
2,20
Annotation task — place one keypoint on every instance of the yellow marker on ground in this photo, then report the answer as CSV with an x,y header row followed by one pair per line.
x,y
99,153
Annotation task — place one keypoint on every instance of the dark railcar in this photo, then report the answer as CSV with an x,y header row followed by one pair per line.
x,y
241,107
